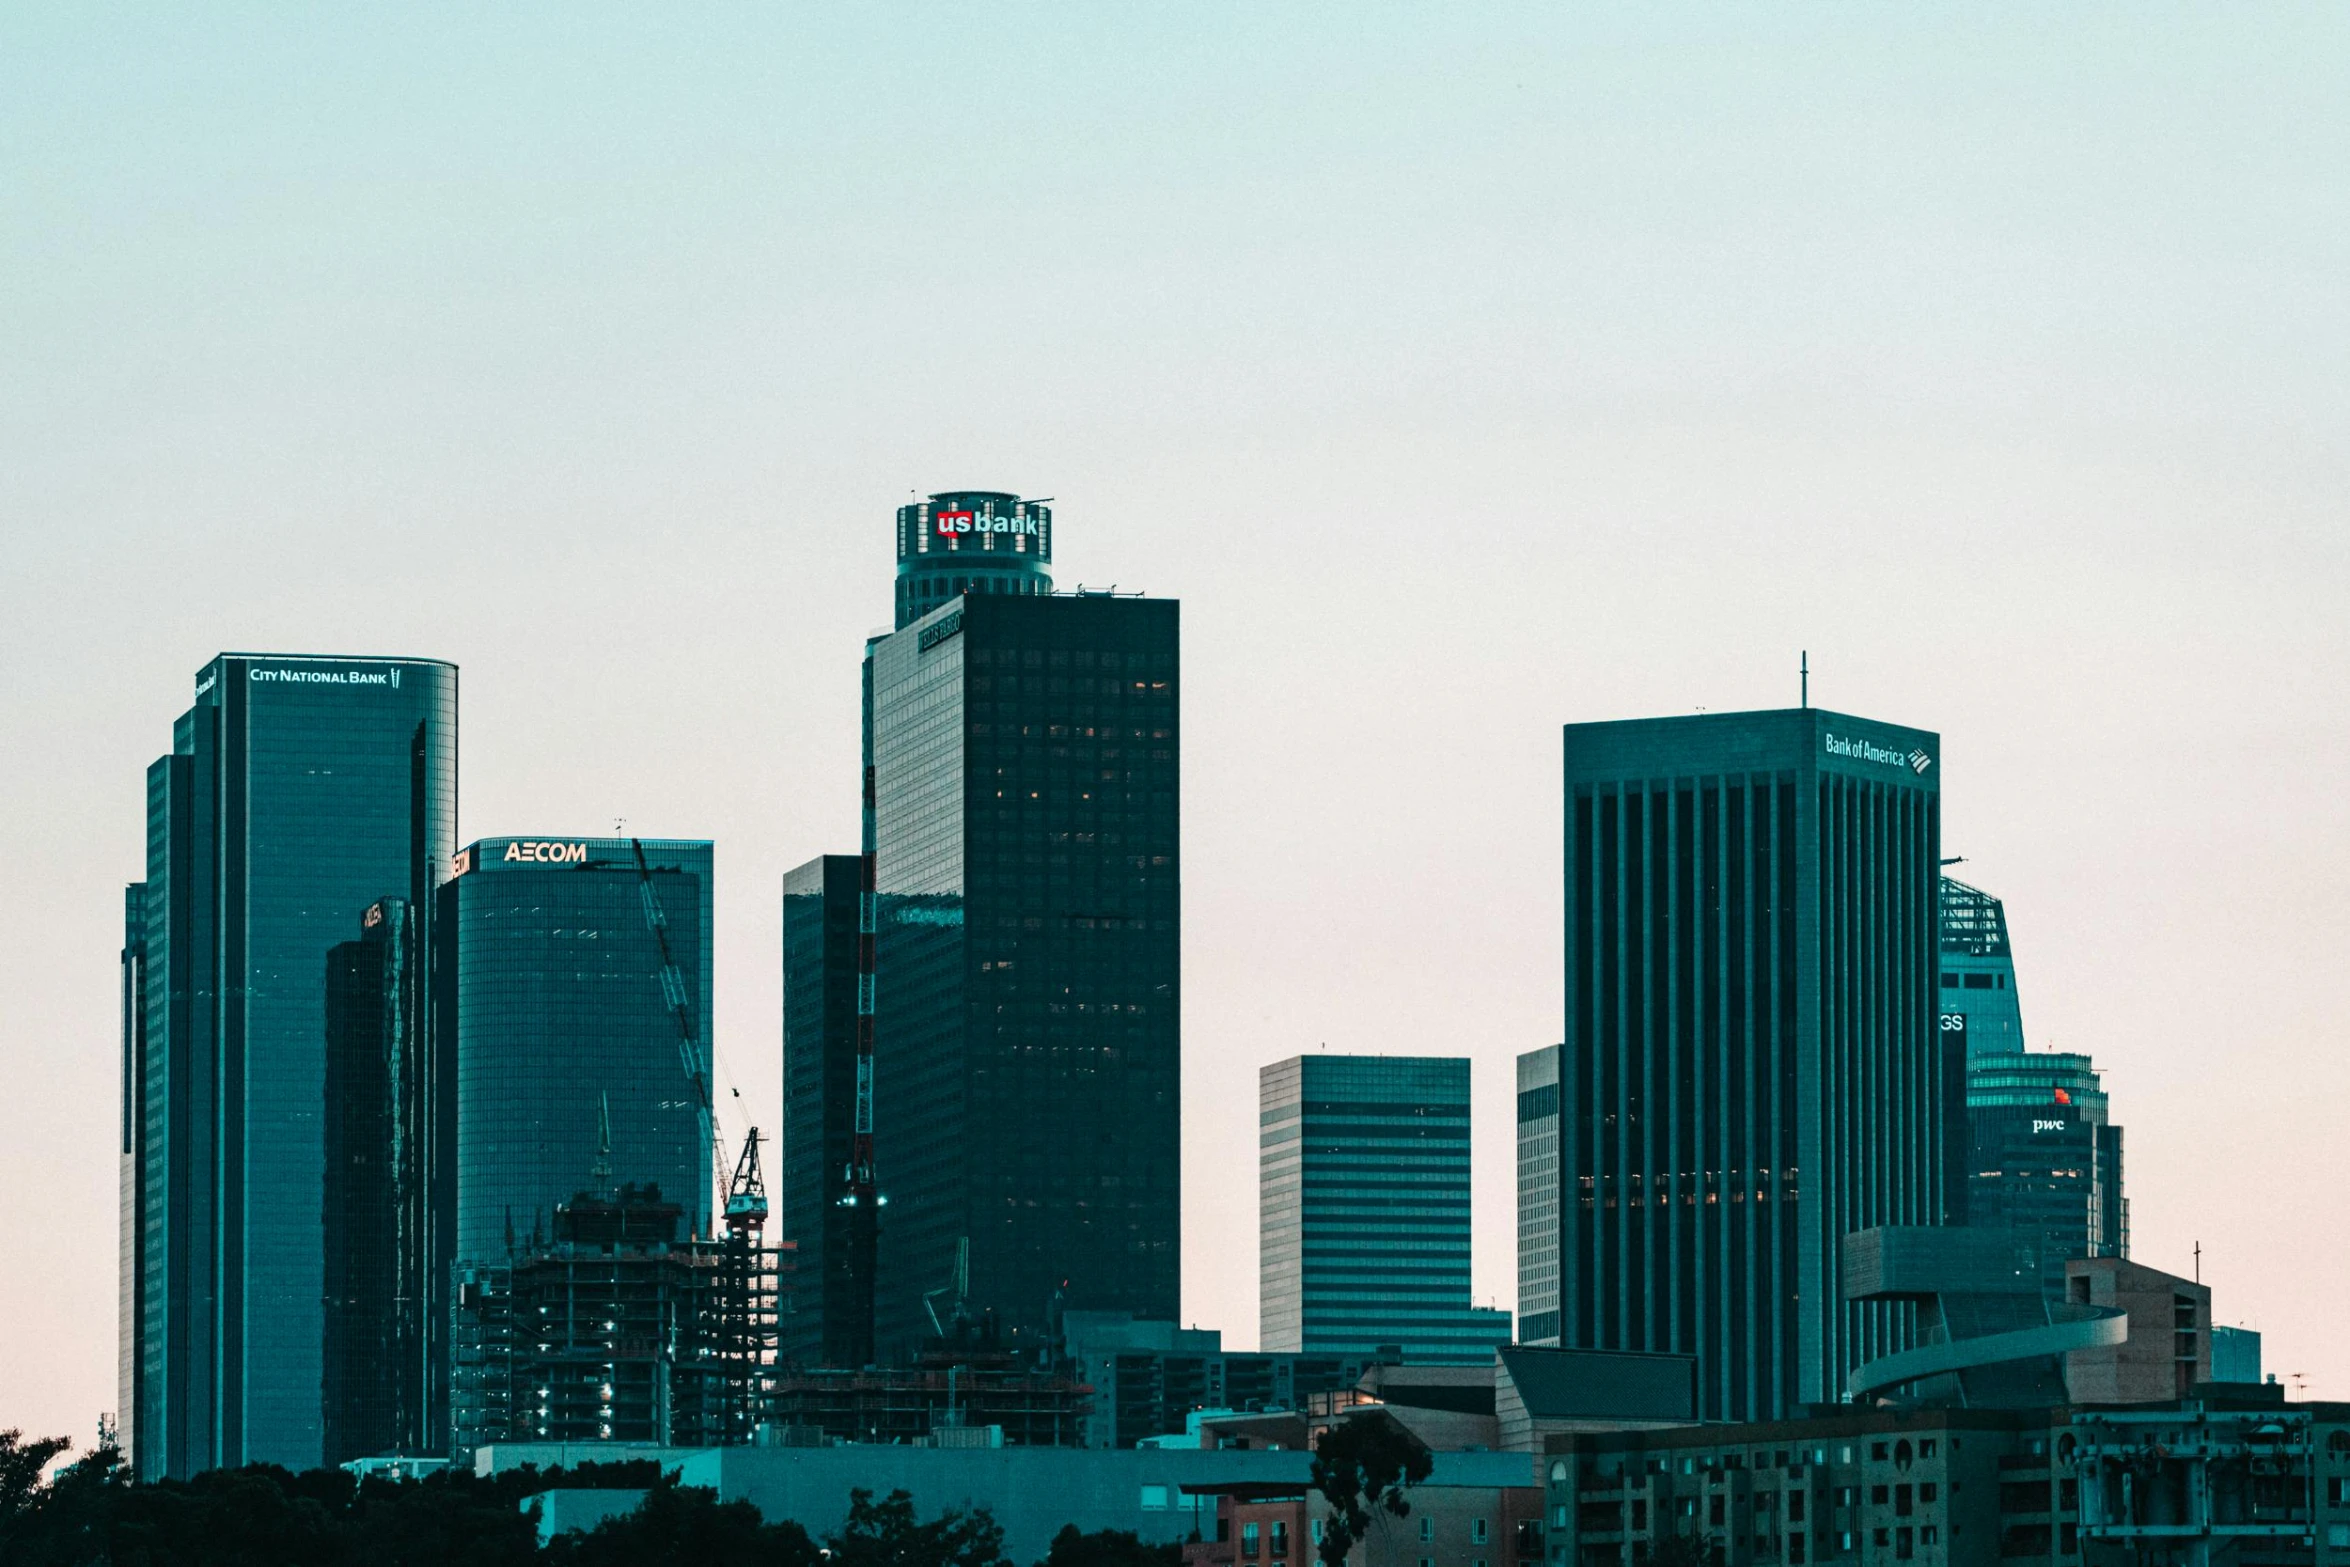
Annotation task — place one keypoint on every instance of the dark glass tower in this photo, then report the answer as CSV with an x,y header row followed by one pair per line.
x,y
379,1213
825,1216
572,1072
1022,785
130,1238
1981,1011
1363,1189
299,791
1751,1069
980,542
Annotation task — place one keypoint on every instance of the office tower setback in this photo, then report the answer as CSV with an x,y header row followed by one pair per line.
x,y
825,1216
1751,1069
1021,755
1363,1193
580,1067
300,790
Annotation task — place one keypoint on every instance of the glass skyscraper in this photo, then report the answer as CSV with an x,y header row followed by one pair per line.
x,y
572,1073
1363,1196
2043,1152
1751,1068
299,790
1021,806
825,1217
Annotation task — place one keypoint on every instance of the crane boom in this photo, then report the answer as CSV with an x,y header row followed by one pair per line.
x,y
689,1040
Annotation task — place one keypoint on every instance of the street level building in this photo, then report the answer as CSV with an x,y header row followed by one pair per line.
x,y
1022,783
826,1216
1751,1067
1364,1210
300,790
579,1066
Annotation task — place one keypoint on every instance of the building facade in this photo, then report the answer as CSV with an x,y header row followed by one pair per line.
x,y
825,1216
573,1070
1752,1067
381,1388
1022,788
1363,1196
2044,1156
299,790
1979,999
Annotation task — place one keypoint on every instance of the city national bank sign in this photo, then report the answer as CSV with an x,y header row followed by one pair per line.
x,y
1856,750
281,676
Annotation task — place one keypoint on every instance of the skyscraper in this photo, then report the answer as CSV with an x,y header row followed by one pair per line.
x,y
2043,1154
382,1391
825,1215
1021,786
573,1074
1751,1069
1980,1008
299,790
1363,1194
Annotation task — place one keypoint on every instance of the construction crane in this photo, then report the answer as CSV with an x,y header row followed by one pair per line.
x,y
689,1047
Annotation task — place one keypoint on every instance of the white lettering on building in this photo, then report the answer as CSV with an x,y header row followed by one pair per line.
x,y
1857,750
951,522
324,677
546,853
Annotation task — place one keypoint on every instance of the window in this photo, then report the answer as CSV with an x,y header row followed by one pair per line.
x,y
1248,1539
1881,1536
1280,1538
1876,1496
1476,1531
2334,1491
1795,1507
1929,1491
1931,1534
1558,1471
1795,1548
1317,1529
1928,1448
1713,1511
1904,1546
1902,1500
1154,1498
2338,1535
1427,1527
1877,1452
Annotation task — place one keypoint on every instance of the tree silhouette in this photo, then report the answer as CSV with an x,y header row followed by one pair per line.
x,y
1362,1467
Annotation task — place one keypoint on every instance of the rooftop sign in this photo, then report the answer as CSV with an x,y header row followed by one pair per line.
x,y
1853,749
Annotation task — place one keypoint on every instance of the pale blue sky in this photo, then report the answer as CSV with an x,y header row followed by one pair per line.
x,y
1465,371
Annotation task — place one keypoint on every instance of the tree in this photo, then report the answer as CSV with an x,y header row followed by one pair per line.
x,y
21,1463
1362,1467
686,1526
1108,1548
885,1534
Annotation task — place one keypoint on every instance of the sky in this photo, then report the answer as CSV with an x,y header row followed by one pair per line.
x,y
1464,371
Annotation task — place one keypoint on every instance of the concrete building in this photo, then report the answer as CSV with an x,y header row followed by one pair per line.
x,y
2168,1351
1474,1510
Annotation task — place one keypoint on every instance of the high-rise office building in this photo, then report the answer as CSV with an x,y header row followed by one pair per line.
x,y
130,1234
1980,1007
1539,1195
573,1071
381,1383
1363,1203
1751,1069
1021,786
2045,1156
299,791
826,1217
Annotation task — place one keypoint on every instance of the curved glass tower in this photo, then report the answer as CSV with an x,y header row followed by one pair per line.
x,y
971,541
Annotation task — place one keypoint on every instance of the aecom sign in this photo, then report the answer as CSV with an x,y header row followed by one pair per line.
x,y
546,853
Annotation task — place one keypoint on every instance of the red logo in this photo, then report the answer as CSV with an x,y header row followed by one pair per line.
x,y
955,521
2063,1098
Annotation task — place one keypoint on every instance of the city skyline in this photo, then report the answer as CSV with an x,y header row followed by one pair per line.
x,y
2051,471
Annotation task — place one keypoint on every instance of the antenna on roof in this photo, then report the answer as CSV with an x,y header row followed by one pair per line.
x,y
1804,673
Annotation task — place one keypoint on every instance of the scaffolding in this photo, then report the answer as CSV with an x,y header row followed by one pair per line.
x,y
618,1331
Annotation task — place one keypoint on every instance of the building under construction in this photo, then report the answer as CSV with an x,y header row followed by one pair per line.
x,y
619,1330
964,1384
